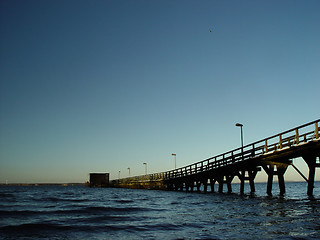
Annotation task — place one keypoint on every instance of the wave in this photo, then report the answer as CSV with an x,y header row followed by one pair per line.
x,y
123,201
32,228
37,229
6,195
88,210
59,199
21,213
95,209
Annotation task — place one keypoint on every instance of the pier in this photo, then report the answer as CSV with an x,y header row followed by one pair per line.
x,y
272,155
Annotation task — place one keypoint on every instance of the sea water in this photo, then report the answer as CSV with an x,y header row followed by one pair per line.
x,y
77,212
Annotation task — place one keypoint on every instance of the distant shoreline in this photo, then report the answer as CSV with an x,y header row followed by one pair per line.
x,y
42,184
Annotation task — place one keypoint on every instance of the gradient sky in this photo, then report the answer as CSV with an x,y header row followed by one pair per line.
x,y
100,86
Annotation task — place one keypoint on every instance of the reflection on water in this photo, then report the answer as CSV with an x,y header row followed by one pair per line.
x,y
56,212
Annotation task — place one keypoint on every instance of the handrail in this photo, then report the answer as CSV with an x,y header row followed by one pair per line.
x,y
237,155
264,146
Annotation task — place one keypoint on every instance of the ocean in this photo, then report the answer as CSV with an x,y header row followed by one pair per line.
x,y
78,212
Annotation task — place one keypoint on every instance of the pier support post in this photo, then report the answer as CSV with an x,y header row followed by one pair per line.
x,y
178,186
229,187
242,178
311,161
181,186
187,186
229,179
220,181
220,187
205,185
170,187
212,182
270,179
192,185
251,176
281,169
198,185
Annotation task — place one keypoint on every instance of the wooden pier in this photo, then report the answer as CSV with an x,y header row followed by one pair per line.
x,y
273,154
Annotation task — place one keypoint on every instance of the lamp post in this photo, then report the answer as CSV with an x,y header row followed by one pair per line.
x,y
129,171
175,160
145,167
119,174
241,125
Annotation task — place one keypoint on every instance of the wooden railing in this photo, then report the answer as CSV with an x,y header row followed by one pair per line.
x,y
296,136
293,137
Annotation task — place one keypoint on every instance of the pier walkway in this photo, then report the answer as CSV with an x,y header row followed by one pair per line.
x,y
273,154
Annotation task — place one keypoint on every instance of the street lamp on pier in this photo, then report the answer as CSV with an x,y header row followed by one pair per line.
x,y
241,125
129,171
175,160
145,167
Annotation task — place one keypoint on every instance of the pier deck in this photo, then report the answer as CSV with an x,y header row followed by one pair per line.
x,y
273,154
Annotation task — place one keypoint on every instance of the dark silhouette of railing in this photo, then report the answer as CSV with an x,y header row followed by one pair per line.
x,y
278,142
248,156
293,137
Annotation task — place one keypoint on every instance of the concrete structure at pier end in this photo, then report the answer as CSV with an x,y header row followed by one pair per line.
x,y
99,180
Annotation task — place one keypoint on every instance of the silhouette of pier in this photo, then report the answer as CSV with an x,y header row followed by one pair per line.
x,y
273,154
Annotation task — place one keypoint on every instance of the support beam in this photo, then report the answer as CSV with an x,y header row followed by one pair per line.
x,y
181,186
311,162
252,176
242,178
212,182
220,187
198,185
192,185
270,170
187,186
281,169
220,181
205,185
301,174
229,179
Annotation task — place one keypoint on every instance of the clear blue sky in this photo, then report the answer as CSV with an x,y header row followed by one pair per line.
x,y
100,86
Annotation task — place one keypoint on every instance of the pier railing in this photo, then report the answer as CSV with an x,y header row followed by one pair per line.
x,y
293,137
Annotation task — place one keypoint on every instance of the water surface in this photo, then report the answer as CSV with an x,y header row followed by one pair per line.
x,y
76,212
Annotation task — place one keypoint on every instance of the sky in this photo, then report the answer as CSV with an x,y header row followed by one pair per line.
x,y
103,86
